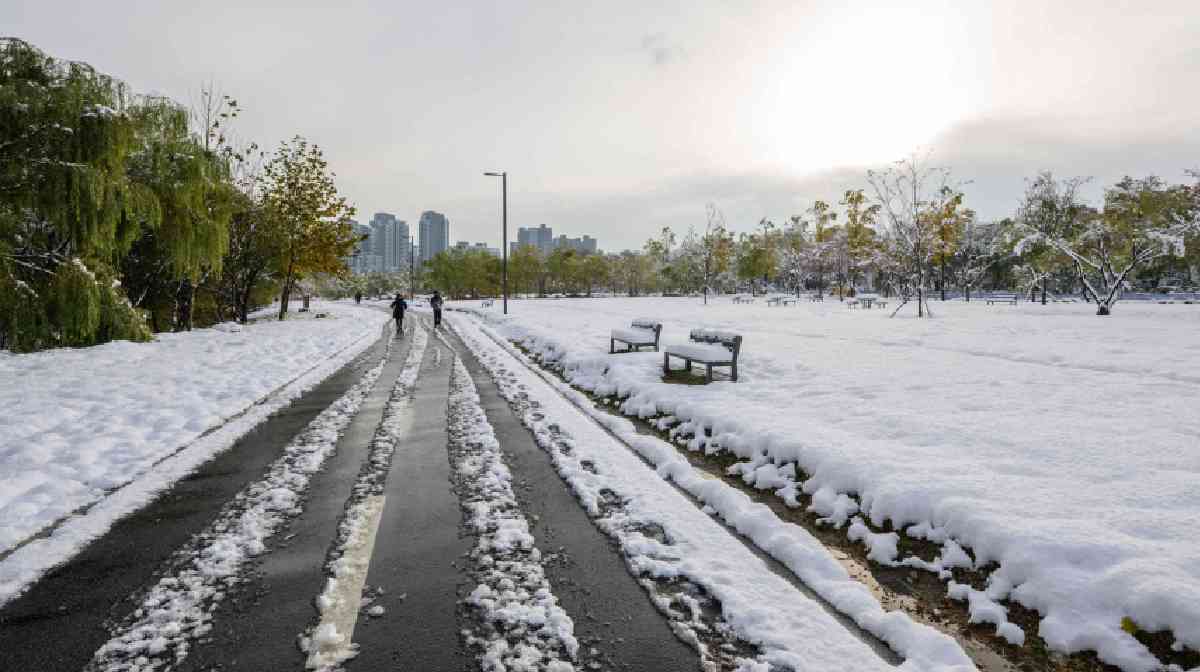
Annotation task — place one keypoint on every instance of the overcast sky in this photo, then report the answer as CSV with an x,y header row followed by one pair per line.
x,y
618,118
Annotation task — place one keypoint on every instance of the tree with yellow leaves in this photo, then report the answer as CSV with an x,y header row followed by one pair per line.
x,y
306,214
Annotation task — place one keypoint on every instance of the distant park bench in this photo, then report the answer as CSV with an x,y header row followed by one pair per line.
x,y
643,332
1002,298
867,301
708,347
487,303
814,297
780,300
743,299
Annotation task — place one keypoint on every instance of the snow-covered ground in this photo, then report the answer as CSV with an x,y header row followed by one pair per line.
x,y
88,425
1060,448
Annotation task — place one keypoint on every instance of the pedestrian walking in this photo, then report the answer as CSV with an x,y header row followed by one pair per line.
x,y
435,302
398,308
357,298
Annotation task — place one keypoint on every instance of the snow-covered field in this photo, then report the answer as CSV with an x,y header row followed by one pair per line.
x,y
1060,448
79,424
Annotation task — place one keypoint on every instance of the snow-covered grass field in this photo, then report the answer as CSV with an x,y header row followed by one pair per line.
x,y
79,423
1060,448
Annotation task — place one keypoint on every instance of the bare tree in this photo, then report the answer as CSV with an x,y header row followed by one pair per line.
x,y
908,193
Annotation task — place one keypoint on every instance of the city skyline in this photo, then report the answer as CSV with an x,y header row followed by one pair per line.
x,y
793,105
386,246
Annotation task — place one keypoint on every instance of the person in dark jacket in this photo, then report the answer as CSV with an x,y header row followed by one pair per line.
x,y
398,308
357,298
435,302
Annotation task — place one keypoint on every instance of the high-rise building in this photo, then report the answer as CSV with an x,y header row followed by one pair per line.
x,y
542,238
387,249
435,234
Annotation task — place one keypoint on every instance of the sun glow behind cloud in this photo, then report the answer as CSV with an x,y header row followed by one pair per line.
x,y
860,88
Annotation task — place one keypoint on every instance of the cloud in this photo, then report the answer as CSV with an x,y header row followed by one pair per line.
x,y
661,51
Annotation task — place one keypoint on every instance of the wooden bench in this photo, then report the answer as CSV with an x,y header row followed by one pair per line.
x,y
643,332
743,299
1002,298
785,300
775,301
708,347
813,298
487,303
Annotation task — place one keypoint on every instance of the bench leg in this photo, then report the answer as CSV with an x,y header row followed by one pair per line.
x,y
612,346
666,363
708,373
735,372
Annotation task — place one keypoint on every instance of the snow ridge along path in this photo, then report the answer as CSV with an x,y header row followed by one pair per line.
x,y
1056,449
179,607
669,543
520,623
91,434
330,643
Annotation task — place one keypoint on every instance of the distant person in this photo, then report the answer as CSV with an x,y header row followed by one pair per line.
x,y
357,298
398,308
435,302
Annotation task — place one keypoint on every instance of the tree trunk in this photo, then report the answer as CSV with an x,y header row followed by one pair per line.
x,y
1104,309
286,292
1043,290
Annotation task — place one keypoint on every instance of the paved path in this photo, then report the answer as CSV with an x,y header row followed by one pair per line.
x,y
415,552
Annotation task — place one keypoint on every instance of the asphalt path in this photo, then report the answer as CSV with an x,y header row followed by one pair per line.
x,y
61,620
416,574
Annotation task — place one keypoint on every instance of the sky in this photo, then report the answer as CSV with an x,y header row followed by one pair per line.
x,y
616,119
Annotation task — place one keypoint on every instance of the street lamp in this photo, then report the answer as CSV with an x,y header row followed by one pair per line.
x,y
412,266
504,236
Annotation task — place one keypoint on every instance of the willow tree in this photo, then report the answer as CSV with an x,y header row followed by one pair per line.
x,y
68,210
195,198
312,221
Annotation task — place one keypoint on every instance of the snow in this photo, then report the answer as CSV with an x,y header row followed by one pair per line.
x,y
79,424
700,352
633,335
1057,447
342,596
628,499
522,625
178,608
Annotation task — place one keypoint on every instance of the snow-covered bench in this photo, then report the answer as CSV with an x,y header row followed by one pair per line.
x,y
1002,298
743,299
487,303
780,300
814,297
708,347
644,331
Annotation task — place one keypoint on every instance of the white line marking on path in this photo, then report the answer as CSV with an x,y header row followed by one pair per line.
x,y
331,642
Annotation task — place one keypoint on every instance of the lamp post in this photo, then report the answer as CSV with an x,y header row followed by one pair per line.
x,y
412,267
504,235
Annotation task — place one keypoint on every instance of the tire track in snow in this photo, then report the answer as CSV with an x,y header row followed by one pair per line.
x,y
179,607
520,623
329,643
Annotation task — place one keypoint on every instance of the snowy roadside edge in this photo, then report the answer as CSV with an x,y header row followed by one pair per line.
x,y
178,608
646,554
1067,622
31,561
514,598
921,645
